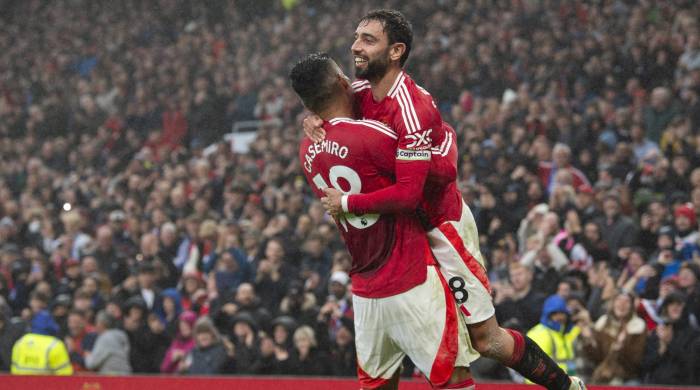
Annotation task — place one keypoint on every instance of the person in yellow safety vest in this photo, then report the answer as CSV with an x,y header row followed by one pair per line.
x,y
555,333
39,352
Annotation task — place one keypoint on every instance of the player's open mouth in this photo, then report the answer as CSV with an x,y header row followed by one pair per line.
x,y
360,61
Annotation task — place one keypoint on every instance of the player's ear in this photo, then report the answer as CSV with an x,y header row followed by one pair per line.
x,y
397,50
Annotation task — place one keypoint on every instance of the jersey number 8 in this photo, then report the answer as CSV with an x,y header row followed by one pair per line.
x,y
348,174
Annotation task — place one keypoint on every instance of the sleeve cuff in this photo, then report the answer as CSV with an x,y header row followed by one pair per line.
x,y
344,203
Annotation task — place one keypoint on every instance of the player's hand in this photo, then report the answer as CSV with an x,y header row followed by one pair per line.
x,y
331,202
312,128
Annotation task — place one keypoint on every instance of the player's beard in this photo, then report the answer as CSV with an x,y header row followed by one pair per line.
x,y
376,68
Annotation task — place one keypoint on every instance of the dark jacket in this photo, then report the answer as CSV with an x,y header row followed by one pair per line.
x,y
10,332
147,349
212,360
674,366
621,233
522,314
316,363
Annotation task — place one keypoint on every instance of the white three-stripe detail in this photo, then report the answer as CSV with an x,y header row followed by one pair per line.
x,y
382,129
411,108
397,82
445,147
406,106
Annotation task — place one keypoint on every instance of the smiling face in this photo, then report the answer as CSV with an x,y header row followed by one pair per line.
x,y
371,50
622,305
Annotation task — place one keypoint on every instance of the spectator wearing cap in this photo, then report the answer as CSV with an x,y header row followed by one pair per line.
x,y
80,339
182,344
615,343
39,352
209,356
556,333
667,359
687,235
110,355
337,304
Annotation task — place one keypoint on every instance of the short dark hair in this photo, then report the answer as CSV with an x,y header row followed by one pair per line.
x,y
398,29
313,79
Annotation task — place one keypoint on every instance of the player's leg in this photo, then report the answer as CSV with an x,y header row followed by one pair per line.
x,y
378,357
455,245
515,350
392,384
428,328
461,380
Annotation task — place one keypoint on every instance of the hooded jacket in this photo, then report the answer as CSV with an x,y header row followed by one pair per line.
x,y
180,344
555,340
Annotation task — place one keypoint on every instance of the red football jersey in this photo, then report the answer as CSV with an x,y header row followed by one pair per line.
x,y
411,112
389,252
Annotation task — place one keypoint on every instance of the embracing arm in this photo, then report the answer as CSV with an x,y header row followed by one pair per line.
x,y
404,195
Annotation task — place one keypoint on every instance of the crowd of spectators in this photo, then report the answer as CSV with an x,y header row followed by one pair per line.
x,y
579,137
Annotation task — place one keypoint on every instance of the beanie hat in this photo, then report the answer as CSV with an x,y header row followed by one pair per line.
x,y
686,210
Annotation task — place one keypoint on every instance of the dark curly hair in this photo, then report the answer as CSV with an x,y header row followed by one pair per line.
x,y
313,79
398,29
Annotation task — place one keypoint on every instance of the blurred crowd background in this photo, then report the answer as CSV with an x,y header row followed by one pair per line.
x,y
143,251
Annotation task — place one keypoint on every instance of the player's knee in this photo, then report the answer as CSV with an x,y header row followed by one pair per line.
x,y
482,341
484,347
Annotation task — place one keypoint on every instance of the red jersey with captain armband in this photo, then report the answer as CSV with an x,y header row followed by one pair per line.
x,y
389,252
411,112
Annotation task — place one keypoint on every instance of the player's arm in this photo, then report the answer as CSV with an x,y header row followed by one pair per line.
x,y
313,124
412,168
415,126
443,164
